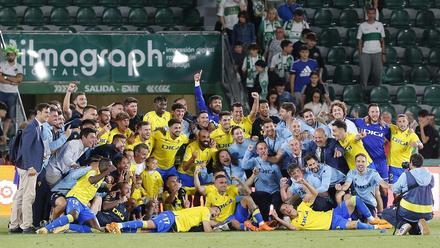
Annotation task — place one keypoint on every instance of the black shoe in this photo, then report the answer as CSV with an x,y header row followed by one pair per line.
x,y
29,230
15,230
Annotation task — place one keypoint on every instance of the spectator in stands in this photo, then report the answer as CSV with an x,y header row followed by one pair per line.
x,y
261,83
371,47
248,69
428,135
131,108
295,26
274,46
318,105
301,42
214,106
228,14
286,10
264,113
300,73
11,75
238,55
244,31
272,99
338,111
282,62
283,95
267,28
309,90
79,101
315,53
257,11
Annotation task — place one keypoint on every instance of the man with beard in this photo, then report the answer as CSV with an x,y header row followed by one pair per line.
x,y
159,117
222,135
53,131
141,153
166,145
90,112
287,115
310,123
110,151
11,75
240,144
79,101
238,118
178,112
131,108
203,123
143,135
104,118
115,109
122,122
214,102
175,197
198,153
263,114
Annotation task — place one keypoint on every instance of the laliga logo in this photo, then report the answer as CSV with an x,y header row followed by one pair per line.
x,y
7,192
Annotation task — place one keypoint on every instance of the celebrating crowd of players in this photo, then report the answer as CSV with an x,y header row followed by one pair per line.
x,y
112,169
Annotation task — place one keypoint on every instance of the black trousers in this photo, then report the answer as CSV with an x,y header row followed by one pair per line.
x,y
41,206
263,201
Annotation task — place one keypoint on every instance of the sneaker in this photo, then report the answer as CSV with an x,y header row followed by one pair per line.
x,y
385,226
250,226
61,229
29,230
15,230
423,226
265,227
42,230
378,221
272,223
404,229
113,228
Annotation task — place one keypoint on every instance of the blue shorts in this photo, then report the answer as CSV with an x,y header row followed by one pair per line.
x,y
187,180
241,214
84,212
395,173
164,222
340,217
381,167
165,173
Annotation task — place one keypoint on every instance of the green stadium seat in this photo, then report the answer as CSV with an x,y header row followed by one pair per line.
x,y
197,29
394,75
135,3
431,37
406,37
159,3
379,94
352,94
394,4
414,109
355,57
322,18
67,28
386,107
60,16
413,56
15,28
436,112
329,37
8,17
59,3
434,57
331,92
149,29
348,18
164,17
424,18
314,3
350,37
360,108
171,28
336,55
343,75
342,4
109,3
119,28
406,95
391,55
112,17
418,4
435,3
399,18
86,16
41,28
431,95
388,38
93,28
138,17
420,76
9,3
33,3
191,17
185,3
33,16
84,3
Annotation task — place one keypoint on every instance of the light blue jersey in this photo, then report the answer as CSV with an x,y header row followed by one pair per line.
x,y
328,176
365,184
311,129
268,179
274,144
298,189
235,171
237,150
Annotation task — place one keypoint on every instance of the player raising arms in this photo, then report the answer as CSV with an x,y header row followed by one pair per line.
x,y
305,218
171,221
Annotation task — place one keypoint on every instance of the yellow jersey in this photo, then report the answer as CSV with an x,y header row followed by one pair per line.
x,y
178,204
400,148
115,131
102,140
224,139
203,157
83,190
137,140
188,218
225,202
308,219
245,124
157,121
138,195
352,148
152,183
165,148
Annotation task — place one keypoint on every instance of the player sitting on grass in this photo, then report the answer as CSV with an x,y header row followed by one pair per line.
x,y
305,218
78,198
171,221
234,201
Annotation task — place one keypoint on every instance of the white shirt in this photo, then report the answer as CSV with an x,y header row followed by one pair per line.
x,y
372,32
229,10
282,64
317,108
139,168
10,70
293,30
351,127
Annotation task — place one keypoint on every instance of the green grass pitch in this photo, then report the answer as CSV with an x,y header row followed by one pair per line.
x,y
352,239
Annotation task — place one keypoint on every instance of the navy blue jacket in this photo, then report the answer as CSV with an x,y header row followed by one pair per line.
x,y
31,148
329,152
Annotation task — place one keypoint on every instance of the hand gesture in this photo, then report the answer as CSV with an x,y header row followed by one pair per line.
x,y
274,214
72,87
123,199
254,138
197,77
255,171
363,134
234,178
32,171
212,143
338,187
255,95
301,181
250,148
337,154
68,132
107,127
197,170
283,182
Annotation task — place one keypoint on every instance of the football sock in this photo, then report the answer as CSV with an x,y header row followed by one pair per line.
x,y
60,221
135,224
256,215
80,228
360,225
360,205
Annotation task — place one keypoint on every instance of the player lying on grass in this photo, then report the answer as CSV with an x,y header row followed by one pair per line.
x,y
78,198
305,218
171,221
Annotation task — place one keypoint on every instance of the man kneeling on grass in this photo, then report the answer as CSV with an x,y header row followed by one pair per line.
x,y
305,218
